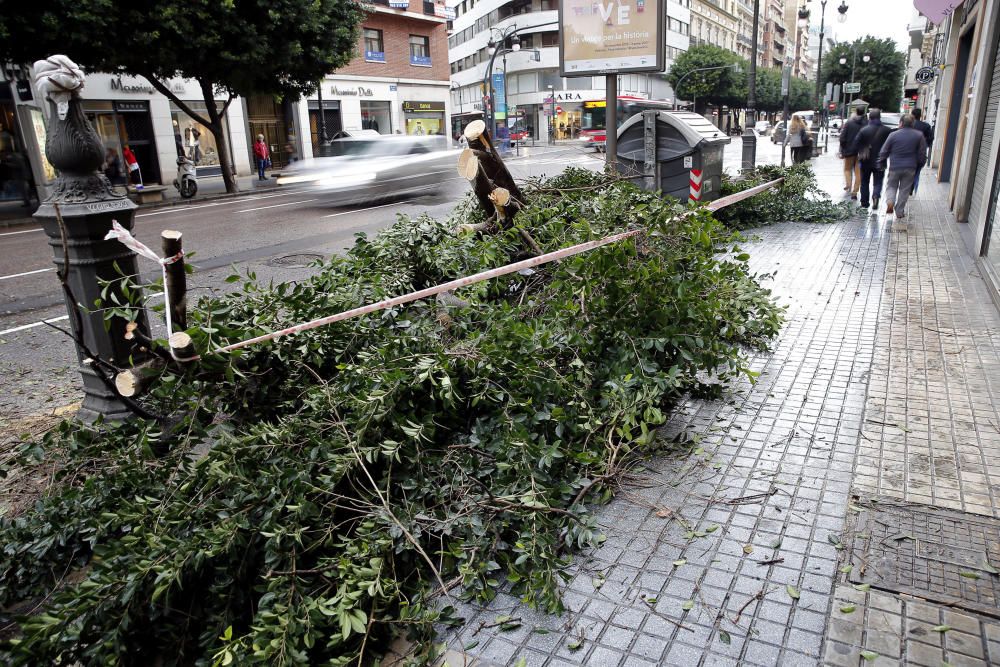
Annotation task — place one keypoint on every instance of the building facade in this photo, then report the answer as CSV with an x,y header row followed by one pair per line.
x,y
962,103
127,113
528,90
798,41
715,22
396,84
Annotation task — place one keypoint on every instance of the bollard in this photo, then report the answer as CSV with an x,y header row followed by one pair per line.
x,y
83,198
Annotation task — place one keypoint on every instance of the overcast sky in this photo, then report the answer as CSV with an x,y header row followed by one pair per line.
x,y
881,18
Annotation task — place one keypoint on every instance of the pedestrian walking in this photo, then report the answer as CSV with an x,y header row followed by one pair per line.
x,y
852,170
113,168
263,156
867,146
904,152
925,128
798,140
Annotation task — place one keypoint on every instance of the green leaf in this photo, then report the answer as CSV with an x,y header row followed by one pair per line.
x,y
679,562
941,628
725,638
846,569
862,587
968,574
687,605
712,528
471,645
870,656
989,568
792,592
575,645
847,609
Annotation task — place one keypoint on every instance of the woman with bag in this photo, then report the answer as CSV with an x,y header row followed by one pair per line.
x,y
798,139
262,155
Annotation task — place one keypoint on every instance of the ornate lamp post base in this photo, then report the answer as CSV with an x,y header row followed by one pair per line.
x,y
87,204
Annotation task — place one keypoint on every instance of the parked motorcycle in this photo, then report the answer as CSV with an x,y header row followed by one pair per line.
x,y
187,177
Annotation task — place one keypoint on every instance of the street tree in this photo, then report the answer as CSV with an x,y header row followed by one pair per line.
x,y
719,86
230,47
881,78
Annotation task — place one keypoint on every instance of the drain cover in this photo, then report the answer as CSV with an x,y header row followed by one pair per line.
x,y
301,260
937,554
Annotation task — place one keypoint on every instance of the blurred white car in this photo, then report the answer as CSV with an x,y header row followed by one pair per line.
x,y
375,168
762,128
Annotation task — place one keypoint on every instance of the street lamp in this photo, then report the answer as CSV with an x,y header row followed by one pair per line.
x,y
804,15
749,133
496,47
734,66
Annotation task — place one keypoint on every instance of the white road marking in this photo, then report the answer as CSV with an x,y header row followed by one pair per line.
x,y
26,273
33,325
235,200
360,210
287,203
23,231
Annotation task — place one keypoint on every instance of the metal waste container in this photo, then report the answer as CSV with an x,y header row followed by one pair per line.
x,y
678,152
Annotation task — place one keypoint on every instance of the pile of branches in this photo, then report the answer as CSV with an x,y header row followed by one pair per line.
x,y
312,498
798,199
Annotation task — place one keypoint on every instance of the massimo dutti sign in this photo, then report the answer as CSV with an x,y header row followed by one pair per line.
x,y
360,91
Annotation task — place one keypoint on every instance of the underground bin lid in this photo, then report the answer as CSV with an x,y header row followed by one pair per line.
x,y
693,127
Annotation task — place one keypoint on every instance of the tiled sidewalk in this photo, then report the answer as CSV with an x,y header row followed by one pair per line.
x,y
749,572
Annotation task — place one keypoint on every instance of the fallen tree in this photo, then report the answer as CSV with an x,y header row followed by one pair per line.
x,y
310,496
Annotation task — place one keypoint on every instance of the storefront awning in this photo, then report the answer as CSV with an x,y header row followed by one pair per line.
x,y
936,10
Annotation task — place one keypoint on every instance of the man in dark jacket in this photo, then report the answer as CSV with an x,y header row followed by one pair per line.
x,y
852,171
905,151
928,132
867,145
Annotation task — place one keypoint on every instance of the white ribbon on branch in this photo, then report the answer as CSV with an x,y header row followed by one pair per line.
x,y
132,243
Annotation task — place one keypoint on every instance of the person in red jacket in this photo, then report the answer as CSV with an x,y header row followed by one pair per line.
x,y
262,155
134,173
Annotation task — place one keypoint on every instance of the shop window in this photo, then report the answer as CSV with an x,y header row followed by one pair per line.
x,y
420,50
193,139
550,38
374,50
527,41
527,83
550,78
579,83
512,87
376,116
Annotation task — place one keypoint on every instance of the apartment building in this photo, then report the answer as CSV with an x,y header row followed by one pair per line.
x,y
527,82
396,84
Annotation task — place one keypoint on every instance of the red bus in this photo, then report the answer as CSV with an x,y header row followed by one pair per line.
x,y
593,126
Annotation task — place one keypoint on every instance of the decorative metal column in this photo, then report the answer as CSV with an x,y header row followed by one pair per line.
x,y
87,204
749,160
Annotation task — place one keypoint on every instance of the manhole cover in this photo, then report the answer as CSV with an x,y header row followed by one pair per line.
x,y
941,555
301,259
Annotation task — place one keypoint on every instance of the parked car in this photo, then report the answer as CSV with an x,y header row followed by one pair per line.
x,y
372,169
762,128
891,120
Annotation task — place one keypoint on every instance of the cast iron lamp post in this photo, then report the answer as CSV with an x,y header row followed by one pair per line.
x,y
733,66
866,58
804,17
510,32
76,217
749,134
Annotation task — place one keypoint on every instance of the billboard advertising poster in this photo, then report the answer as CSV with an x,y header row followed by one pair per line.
x,y
611,36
